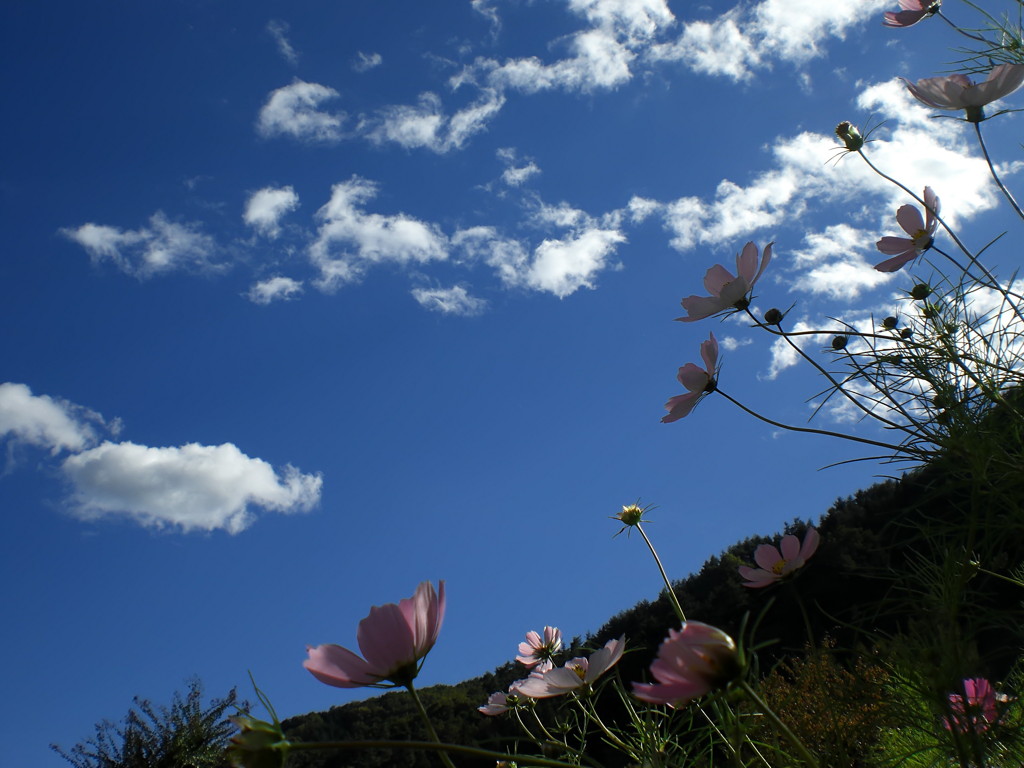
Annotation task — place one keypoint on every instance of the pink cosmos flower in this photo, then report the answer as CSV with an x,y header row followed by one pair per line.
x,y
694,379
912,12
960,92
776,565
974,715
534,650
727,291
393,639
691,662
499,703
922,231
577,673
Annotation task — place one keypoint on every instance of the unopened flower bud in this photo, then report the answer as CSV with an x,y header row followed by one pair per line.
x,y
849,135
906,333
773,316
920,292
889,323
839,342
258,744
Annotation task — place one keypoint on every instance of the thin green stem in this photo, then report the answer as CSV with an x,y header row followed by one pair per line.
x,y
430,726
853,438
784,729
992,169
668,584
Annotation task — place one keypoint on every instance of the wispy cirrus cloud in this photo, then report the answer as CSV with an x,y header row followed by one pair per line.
x,y
162,246
449,301
273,289
279,31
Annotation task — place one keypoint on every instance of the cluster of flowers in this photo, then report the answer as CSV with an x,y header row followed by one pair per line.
x,y
697,659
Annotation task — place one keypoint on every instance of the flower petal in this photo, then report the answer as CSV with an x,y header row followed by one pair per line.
x,y
909,218
767,556
340,667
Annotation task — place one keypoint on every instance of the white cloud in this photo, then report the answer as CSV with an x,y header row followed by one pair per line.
x,y
911,148
425,125
731,343
349,240
294,110
366,61
161,247
192,488
279,31
42,421
449,301
716,47
834,263
513,175
274,289
743,39
266,206
633,18
564,266
794,29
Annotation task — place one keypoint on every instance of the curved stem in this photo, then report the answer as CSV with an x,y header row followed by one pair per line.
x,y
784,729
668,585
430,726
853,438
839,388
992,169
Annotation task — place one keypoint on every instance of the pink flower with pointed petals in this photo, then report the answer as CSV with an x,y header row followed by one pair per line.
x,y
697,381
691,662
912,12
535,650
727,291
776,565
577,673
922,231
978,711
393,639
960,92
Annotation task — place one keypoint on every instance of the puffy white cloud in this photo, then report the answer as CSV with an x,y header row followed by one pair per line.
x,y
42,421
449,301
564,266
294,110
746,38
366,61
193,487
274,289
912,148
633,18
349,240
513,175
266,206
834,263
717,47
161,247
279,31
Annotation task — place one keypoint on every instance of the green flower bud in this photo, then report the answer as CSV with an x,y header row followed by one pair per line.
x,y
773,316
849,135
920,292
839,342
258,744
889,323
906,333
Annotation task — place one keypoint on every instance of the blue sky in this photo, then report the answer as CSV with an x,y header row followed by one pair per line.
x,y
306,304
